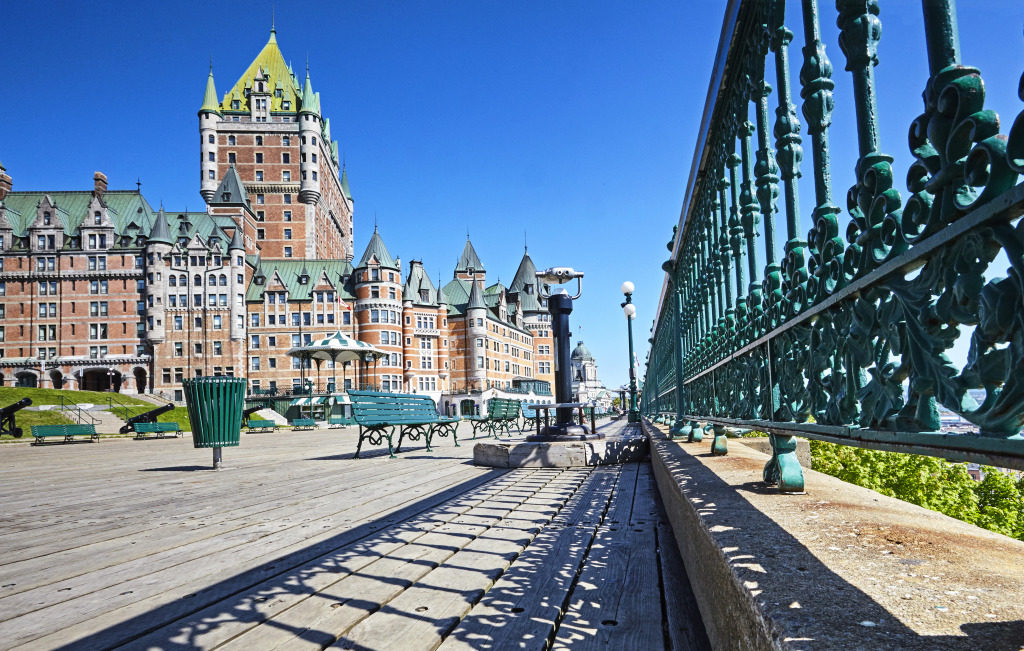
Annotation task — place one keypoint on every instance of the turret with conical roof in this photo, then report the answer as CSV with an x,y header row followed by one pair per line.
x,y
237,242
526,285
209,116
310,139
376,253
476,297
160,233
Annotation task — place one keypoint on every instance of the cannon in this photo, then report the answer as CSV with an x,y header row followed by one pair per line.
x,y
146,417
7,424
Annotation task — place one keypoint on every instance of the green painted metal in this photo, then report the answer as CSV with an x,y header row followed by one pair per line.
x,y
844,335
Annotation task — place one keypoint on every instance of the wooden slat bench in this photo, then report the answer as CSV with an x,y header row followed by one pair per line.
x,y
66,433
378,414
502,414
337,421
260,426
303,423
530,417
142,429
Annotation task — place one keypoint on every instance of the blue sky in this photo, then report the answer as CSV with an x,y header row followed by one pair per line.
x,y
570,124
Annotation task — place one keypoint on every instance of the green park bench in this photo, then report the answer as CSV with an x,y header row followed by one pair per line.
x,y
530,417
378,414
65,432
337,421
260,426
502,414
303,423
142,429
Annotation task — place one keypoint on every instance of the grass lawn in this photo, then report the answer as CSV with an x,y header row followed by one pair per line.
x,y
177,415
25,419
53,397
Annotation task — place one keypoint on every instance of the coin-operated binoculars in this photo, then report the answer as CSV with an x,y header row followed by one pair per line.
x,y
560,306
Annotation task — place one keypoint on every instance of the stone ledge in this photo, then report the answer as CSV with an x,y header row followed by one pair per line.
x,y
839,567
570,454
762,444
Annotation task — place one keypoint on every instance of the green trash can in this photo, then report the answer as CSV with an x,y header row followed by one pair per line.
x,y
215,410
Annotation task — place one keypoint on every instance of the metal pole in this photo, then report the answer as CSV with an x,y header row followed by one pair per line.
x,y
634,415
217,459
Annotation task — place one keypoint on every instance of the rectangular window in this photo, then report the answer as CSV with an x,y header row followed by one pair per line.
x,y
260,199
259,157
218,348
287,233
255,319
254,363
179,350
287,199
286,176
287,251
261,234
259,177
231,157
287,215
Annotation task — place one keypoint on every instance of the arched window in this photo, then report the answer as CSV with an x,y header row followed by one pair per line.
x,y
223,280
211,139
197,280
172,281
213,281
182,281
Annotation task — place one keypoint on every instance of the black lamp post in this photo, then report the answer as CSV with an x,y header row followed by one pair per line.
x,y
630,311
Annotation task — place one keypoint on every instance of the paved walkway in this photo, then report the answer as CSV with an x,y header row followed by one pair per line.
x,y
298,546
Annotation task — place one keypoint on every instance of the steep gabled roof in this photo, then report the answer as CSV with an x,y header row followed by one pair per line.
x,y
469,259
376,249
231,190
272,63
526,277
418,282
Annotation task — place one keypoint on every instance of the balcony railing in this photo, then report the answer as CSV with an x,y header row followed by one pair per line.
x,y
844,335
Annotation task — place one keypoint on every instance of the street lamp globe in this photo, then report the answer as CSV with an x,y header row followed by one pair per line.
x,y
630,310
627,287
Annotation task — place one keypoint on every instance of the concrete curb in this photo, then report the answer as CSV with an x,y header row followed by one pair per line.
x,y
840,567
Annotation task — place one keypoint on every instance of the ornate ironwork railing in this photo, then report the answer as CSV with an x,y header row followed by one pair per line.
x,y
843,336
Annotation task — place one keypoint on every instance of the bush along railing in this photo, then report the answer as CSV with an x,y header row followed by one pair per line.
x,y
843,337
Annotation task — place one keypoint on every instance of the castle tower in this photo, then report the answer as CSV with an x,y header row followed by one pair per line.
x,y
309,129
476,329
237,283
378,312
269,126
158,249
209,116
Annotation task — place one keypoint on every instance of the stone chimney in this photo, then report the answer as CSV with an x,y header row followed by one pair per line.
x,y
99,184
5,182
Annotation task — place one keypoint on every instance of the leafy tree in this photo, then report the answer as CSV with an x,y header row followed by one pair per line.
x,y
995,503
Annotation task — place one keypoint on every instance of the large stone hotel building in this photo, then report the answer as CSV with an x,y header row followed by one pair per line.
x,y
100,290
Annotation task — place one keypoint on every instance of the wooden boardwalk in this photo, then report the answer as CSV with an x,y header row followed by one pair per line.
x,y
136,544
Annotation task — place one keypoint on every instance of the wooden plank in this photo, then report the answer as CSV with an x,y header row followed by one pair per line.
x,y
616,602
524,605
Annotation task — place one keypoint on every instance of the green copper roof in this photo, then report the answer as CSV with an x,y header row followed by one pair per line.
x,y
469,259
344,184
526,285
231,189
309,98
160,232
289,271
476,297
376,249
236,241
417,283
272,63
210,102
126,209
581,352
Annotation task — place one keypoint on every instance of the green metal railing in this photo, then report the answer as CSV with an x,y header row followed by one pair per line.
x,y
844,337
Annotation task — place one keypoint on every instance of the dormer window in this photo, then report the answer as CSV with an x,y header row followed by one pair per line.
x,y
236,105
286,105
225,196
97,218
46,218
424,296
278,93
260,86
303,279
260,280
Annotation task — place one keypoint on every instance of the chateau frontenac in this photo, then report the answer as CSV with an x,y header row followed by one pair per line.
x,y
100,289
